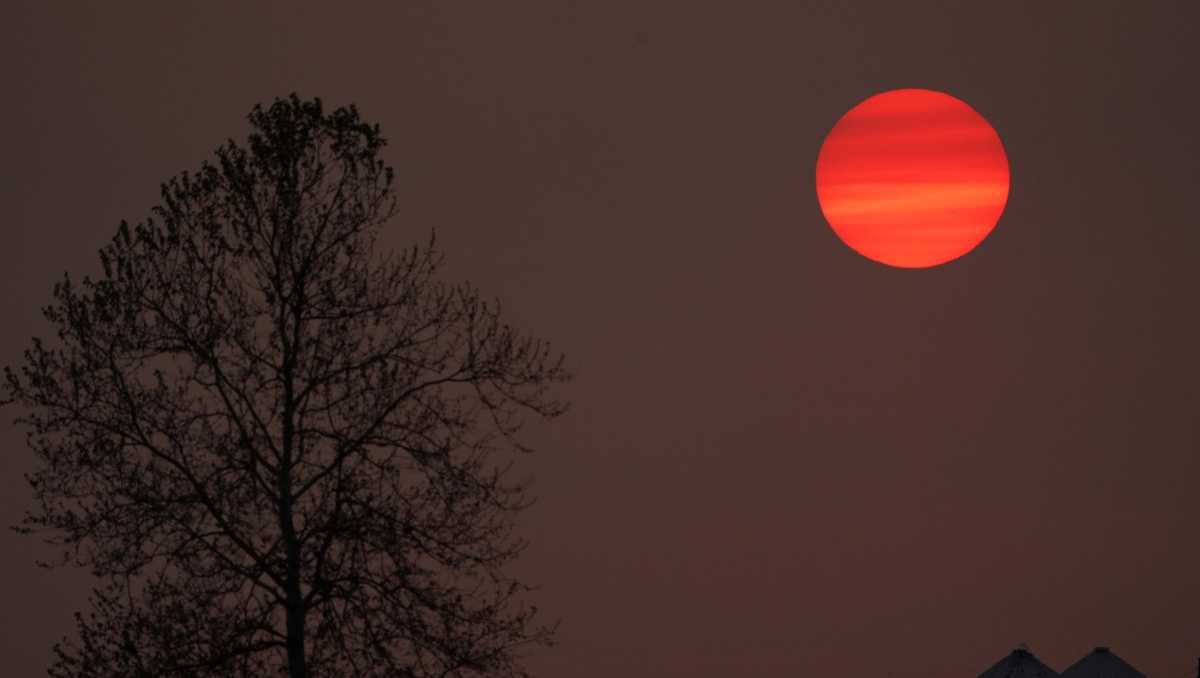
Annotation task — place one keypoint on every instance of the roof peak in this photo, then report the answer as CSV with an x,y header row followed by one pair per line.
x,y
1102,663
1019,663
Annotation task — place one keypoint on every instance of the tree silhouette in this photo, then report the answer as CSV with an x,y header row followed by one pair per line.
x,y
283,451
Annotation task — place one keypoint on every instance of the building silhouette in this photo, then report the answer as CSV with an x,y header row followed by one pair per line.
x,y
1099,663
1102,663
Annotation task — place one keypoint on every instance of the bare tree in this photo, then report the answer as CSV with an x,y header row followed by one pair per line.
x,y
283,451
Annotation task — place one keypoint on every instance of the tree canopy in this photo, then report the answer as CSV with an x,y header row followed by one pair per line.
x,y
282,449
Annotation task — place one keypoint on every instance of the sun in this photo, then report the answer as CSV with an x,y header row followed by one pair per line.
x,y
912,178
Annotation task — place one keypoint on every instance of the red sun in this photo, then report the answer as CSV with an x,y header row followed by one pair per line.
x,y
912,178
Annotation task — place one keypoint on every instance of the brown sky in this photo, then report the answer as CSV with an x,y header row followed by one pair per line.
x,y
784,460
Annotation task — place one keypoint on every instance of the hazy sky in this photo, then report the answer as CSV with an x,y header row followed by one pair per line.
x,y
783,459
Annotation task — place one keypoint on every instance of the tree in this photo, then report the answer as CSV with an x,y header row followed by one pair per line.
x,y
282,450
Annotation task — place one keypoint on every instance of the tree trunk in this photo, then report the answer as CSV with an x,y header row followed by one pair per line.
x,y
295,599
295,607
297,667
